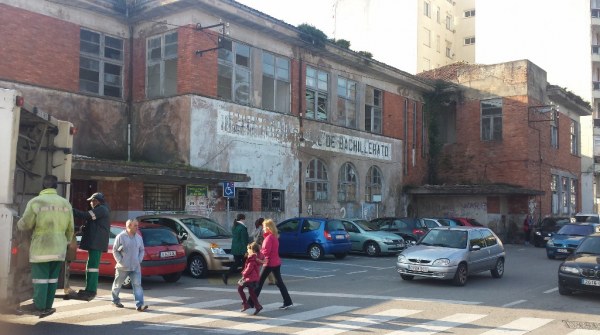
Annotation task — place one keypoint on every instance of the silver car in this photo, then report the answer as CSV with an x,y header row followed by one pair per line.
x,y
453,253
207,244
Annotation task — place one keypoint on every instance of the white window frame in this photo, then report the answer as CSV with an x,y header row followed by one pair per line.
x,y
427,9
469,40
103,56
449,22
317,86
373,110
346,102
469,13
491,119
554,133
234,59
427,39
317,182
168,55
574,130
279,74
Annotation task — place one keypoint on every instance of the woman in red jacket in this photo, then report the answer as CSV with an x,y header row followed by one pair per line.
x,y
270,250
250,277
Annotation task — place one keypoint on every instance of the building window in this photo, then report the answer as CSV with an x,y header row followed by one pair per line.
x,y
427,37
449,23
158,197
317,183
574,137
491,120
347,185
469,40
233,79
469,13
346,102
272,200
161,65
438,15
373,110
405,142
100,64
554,133
573,194
564,194
437,43
374,183
275,83
317,83
554,190
449,52
242,200
427,8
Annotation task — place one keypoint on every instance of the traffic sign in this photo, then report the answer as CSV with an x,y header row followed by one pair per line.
x,y
228,189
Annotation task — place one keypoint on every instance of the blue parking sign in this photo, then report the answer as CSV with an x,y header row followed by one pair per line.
x,y
228,189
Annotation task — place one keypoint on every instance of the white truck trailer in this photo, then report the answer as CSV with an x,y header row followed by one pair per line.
x,y
32,145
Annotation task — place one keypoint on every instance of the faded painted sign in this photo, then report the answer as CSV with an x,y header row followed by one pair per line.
x,y
352,145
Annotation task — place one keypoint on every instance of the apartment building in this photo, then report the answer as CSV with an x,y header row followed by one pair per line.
x,y
174,101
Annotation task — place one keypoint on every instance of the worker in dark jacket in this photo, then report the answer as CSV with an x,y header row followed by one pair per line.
x,y
95,240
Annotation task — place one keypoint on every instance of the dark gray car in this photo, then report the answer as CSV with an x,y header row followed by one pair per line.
x,y
411,229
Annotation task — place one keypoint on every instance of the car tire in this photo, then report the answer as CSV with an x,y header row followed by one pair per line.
x,y
172,277
315,252
197,267
537,243
127,283
407,277
498,270
340,256
550,256
460,277
372,249
562,290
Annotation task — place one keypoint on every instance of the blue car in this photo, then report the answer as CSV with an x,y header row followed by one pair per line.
x,y
568,238
315,237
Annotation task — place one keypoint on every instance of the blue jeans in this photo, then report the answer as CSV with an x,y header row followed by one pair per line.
x,y
136,283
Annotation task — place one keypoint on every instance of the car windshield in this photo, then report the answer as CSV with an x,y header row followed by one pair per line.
x,y
590,245
445,238
587,218
156,237
576,230
205,228
366,225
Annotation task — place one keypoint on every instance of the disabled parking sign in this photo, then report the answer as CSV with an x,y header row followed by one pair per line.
x,y
228,189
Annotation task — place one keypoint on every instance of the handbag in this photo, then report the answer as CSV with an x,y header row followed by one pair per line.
x,y
71,250
241,282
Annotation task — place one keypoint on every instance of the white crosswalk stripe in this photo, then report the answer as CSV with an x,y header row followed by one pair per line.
x,y
519,326
441,325
584,332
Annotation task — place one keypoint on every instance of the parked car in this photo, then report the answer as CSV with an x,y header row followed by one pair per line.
x,y
579,271
453,253
366,237
587,217
315,237
548,226
164,255
566,240
411,229
207,244
468,222
435,222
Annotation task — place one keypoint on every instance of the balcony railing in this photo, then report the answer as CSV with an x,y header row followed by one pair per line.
x,y
596,85
595,13
596,49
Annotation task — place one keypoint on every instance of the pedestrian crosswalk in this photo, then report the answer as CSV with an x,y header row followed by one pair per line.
x,y
186,315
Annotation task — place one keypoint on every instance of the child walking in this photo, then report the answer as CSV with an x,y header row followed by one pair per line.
x,y
250,276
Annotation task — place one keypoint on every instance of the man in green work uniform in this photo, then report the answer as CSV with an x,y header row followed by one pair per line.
x,y
95,240
49,218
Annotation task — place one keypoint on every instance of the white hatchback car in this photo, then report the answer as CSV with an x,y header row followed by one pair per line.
x,y
453,253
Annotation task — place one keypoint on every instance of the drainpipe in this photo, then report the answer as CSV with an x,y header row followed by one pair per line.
x,y
300,114
129,103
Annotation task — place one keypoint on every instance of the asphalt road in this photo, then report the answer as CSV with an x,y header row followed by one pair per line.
x,y
356,295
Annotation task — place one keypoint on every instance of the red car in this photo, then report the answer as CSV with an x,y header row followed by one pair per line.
x,y
164,254
467,222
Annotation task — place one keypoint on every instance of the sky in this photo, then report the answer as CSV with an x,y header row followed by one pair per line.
x,y
553,34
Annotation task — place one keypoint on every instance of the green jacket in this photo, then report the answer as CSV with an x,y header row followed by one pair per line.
x,y
239,241
50,219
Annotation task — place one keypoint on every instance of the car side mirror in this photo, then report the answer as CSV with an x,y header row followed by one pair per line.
x,y
183,236
475,247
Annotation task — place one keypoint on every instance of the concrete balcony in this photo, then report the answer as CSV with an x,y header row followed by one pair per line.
x,y
595,17
596,53
596,89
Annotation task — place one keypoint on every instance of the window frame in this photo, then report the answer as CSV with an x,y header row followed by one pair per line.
x,y
163,61
317,181
348,183
469,13
281,102
103,59
554,133
373,110
574,135
347,109
319,94
155,195
268,201
469,40
427,8
374,182
242,201
492,133
231,56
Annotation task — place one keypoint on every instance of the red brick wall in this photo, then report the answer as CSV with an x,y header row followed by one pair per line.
x,y
256,199
34,60
393,115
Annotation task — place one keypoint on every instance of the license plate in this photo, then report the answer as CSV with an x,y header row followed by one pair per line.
x,y
546,238
164,254
340,237
590,282
564,251
418,268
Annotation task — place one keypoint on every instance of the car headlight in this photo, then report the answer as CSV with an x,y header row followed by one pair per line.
x,y
569,269
401,259
215,249
550,243
387,240
441,262
538,233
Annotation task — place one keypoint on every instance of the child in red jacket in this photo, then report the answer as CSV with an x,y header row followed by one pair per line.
x,y
250,276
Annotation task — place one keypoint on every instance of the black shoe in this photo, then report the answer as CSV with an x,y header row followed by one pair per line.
x,y
286,306
47,312
118,305
224,277
142,308
29,309
86,295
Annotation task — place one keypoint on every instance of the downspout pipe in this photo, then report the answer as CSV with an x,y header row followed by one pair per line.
x,y
129,102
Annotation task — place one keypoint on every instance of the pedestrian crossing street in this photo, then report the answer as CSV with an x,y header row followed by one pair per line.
x,y
187,315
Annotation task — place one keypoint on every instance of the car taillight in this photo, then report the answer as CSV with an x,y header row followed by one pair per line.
x,y
418,231
327,235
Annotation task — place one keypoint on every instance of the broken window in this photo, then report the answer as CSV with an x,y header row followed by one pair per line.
x,y
317,83
346,103
276,83
373,110
347,186
317,184
233,80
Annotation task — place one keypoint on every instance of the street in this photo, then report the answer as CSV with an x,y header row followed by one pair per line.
x,y
356,295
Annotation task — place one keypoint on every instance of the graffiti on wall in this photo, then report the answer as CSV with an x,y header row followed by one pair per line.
x,y
200,200
471,207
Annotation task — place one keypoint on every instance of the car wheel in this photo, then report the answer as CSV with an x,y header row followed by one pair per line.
x,y
127,283
315,252
407,277
172,277
562,290
372,249
498,270
550,256
537,243
460,277
197,267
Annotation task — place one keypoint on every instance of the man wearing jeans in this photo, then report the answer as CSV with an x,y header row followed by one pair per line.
x,y
128,251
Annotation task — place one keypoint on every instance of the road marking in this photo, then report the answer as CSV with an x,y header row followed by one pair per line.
x,y
440,325
285,320
552,290
514,303
339,295
519,326
359,322
310,277
340,263
584,332
351,273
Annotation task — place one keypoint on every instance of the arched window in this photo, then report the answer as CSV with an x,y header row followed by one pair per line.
x,y
374,183
347,185
317,185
